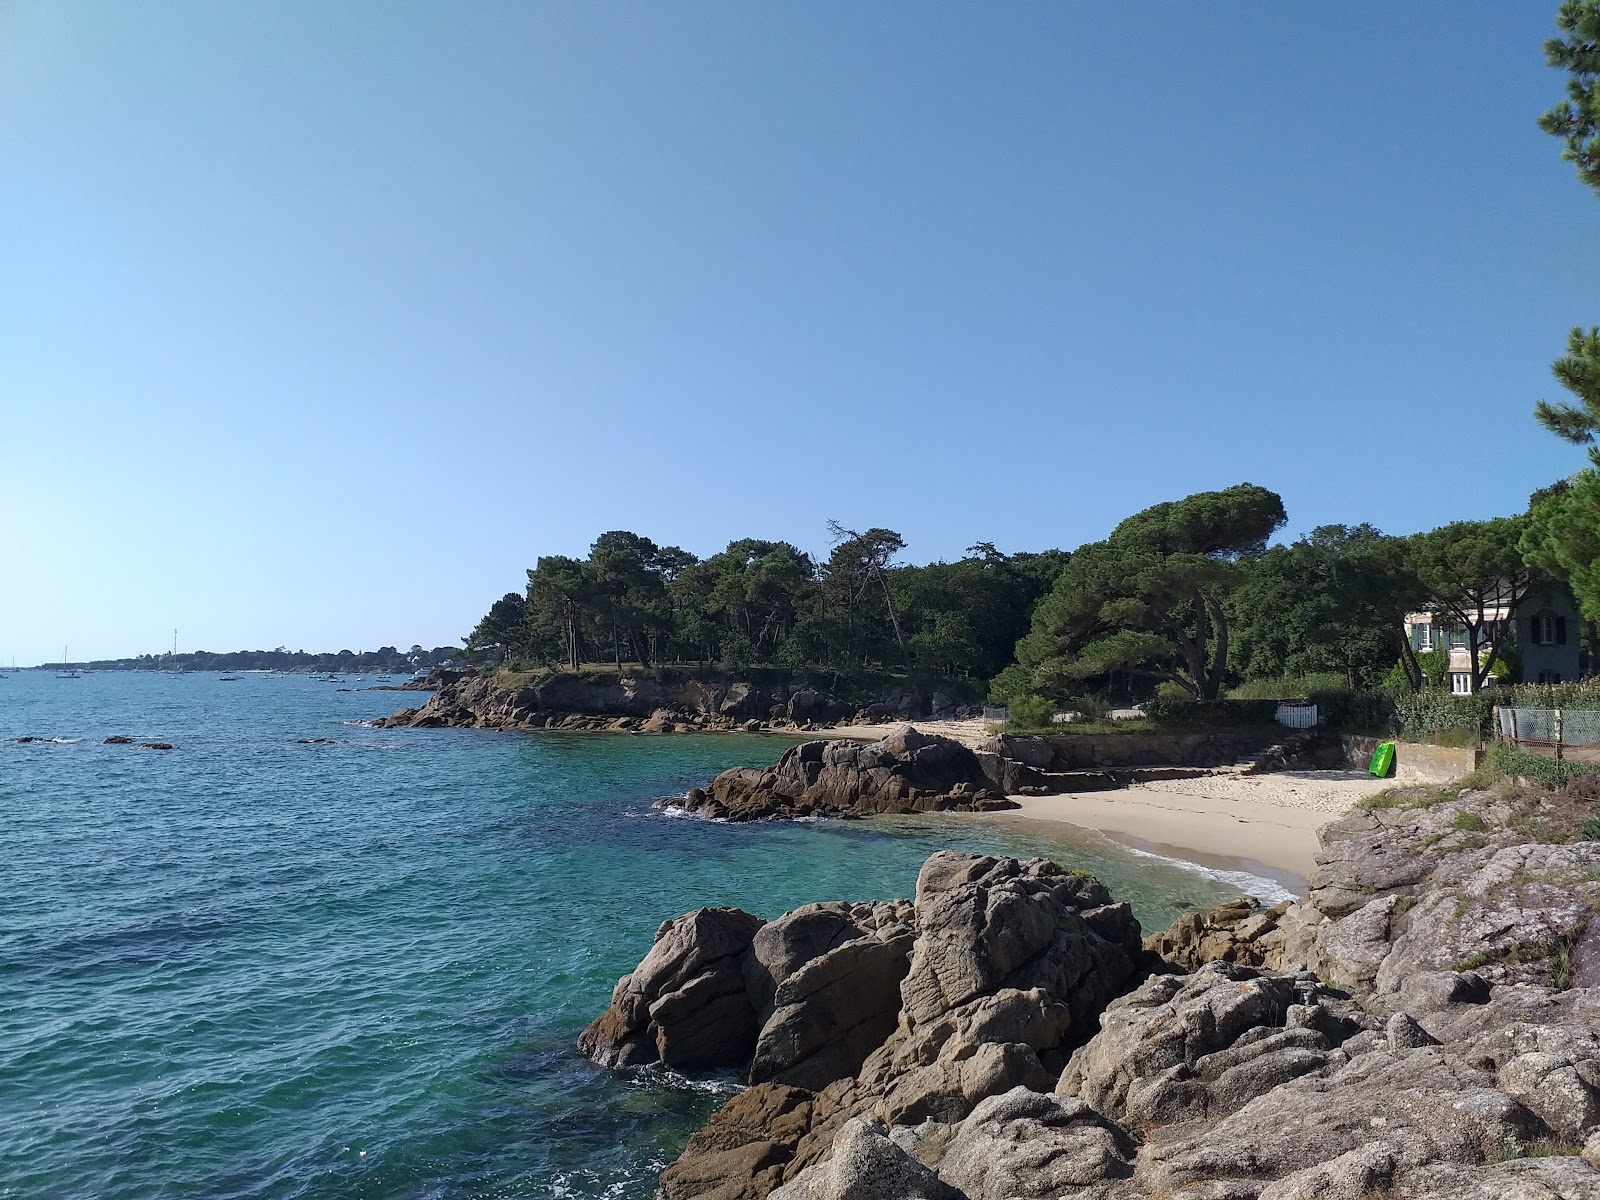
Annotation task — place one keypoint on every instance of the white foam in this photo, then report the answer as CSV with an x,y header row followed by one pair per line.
x,y
1259,886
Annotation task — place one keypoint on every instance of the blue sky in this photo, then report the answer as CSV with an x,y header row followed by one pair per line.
x,y
321,322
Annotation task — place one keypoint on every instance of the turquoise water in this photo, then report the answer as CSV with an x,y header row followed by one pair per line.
x,y
249,967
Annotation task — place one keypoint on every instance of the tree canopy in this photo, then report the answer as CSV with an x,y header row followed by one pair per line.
x,y
1475,574
1576,120
1148,599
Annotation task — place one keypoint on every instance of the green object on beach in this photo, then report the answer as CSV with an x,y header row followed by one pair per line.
x,y
1382,760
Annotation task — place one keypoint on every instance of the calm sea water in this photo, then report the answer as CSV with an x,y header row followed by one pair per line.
x,y
250,967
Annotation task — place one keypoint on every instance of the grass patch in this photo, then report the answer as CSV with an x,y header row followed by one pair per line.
x,y
1408,797
1468,821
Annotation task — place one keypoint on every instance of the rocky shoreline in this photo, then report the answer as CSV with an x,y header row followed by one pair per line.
x,y
624,703
1424,1025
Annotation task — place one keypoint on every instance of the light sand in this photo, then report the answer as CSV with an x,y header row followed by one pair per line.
x,y
1251,821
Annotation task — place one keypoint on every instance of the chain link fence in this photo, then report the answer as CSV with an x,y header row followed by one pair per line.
x,y
1564,734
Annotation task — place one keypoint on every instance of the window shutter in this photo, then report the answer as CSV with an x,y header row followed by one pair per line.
x,y
1533,631
1561,631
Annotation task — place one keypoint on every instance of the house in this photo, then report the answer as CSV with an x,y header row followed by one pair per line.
x,y
1544,626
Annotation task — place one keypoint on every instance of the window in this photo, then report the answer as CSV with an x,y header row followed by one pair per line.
x,y
1424,636
1549,677
1549,629
1461,683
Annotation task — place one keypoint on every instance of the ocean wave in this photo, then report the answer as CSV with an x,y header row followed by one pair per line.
x,y
677,812
1259,886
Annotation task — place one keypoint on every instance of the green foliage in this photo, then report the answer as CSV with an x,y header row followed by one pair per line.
x,y
1576,120
1562,537
1425,716
764,602
1149,598
1334,601
1030,713
1288,687
1469,568
1210,714
1011,683
1589,829
1355,710
1584,694
1511,761
1089,707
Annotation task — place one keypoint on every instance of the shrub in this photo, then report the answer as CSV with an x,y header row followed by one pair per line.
x,y
1289,687
1210,713
1561,695
1589,831
1548,771
1424,715
1030,712
1089,707
1343,708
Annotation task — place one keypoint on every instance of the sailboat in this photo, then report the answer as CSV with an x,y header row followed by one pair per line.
x,y
66,672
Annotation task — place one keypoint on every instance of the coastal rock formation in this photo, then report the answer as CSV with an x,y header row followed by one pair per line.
x,y
908,771
685,1004
800,1000
1424,1024
641,703
1235,932
900,1012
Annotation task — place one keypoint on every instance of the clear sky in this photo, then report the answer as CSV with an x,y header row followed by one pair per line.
x,y
320,322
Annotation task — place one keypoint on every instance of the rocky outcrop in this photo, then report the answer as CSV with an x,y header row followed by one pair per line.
x,y
901,1012
802,1000
908,771
1235,932
1424,1024
643,703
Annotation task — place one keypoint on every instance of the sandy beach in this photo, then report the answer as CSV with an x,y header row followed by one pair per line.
x,y
1265,824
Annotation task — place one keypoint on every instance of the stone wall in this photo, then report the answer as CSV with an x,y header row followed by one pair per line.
x,y
1416,762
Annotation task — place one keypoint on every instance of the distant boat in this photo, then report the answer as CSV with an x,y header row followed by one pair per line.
x,y
229,679
66,672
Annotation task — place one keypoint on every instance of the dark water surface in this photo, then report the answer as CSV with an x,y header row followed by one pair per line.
x,y
252,967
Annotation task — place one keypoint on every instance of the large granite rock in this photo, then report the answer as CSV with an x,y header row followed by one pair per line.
x,y
1011,963
1181,1048
803,999
908,771
686,1004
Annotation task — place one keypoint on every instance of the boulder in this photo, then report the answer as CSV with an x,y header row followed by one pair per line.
x,y
1024,1143
908,771
685,1004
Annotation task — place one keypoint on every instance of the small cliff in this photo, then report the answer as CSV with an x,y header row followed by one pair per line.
x,y
672,703
1423,1025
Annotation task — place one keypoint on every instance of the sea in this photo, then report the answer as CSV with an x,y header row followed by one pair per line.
x,y
299,957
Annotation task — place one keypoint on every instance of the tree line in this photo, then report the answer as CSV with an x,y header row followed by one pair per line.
x,y
384,659
762,602
1187,592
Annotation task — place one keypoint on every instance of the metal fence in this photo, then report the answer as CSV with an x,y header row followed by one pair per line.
x,y
996,716
1571,734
